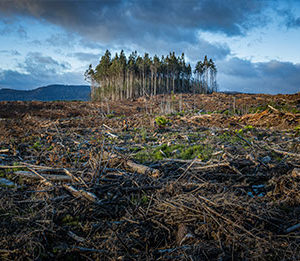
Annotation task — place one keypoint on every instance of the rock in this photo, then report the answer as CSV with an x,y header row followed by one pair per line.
x,y
266,159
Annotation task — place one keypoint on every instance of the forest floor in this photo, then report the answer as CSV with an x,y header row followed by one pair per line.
x,y
178,177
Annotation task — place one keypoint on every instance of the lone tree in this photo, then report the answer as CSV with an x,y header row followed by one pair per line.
x,y
121,78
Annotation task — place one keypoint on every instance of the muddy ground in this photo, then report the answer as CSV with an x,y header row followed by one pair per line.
x,y
178,177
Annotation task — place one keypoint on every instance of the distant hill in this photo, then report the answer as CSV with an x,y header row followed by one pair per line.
x,y
48,93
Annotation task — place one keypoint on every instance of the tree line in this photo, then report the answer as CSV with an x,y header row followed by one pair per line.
x,y
121,78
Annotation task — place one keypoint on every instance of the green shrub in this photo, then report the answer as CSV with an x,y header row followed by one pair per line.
x,y
161,121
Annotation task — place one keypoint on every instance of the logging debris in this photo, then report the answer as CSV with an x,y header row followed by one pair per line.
x,y
200,189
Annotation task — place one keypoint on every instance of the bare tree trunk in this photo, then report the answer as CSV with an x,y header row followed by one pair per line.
x,y
155,82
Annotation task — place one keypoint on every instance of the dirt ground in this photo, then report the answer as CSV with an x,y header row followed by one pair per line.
x,y
177,177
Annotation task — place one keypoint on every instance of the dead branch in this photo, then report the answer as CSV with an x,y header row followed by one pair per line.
x,y
51,177
81,193
293,228
139,168
142,169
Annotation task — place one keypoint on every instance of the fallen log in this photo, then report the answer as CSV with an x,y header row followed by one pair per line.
x,y
81,193
142,169
138,168
51,177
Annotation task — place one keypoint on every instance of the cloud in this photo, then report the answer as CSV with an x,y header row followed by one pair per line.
x,y
85,57
22,33
135,20
61,39
90,44
8,27
40,65
14,79
39,70
290,20
24,81
268,77
152,26
238,68
10,52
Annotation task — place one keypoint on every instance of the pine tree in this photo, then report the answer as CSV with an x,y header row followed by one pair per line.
x,y
120,78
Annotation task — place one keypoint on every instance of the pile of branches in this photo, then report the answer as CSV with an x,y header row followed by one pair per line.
x,y
116,209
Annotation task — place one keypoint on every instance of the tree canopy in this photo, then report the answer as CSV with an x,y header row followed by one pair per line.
x,y
119,77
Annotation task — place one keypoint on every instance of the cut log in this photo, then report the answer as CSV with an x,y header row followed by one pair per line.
x,y
142,169
81,193
139,168
51,177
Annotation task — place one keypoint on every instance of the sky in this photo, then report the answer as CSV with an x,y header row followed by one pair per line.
x,y
254,43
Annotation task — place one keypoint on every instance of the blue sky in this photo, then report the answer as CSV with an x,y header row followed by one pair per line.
x,y
255,43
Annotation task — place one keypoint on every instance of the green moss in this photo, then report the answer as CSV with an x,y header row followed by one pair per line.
x,y
240,131
276,156
135,149
2,174
37,146
50,148
142,156
144,134
137,199
258,109
181,113
110,116
248,127
228,137
70,220
178,151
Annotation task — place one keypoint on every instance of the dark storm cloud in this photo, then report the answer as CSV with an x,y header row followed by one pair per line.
x,y
134,20
14,79
269,77
238,68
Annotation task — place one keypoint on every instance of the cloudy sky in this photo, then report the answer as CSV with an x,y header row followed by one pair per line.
x,y
255,43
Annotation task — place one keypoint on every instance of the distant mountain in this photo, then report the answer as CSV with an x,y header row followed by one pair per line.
x,y
48,93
